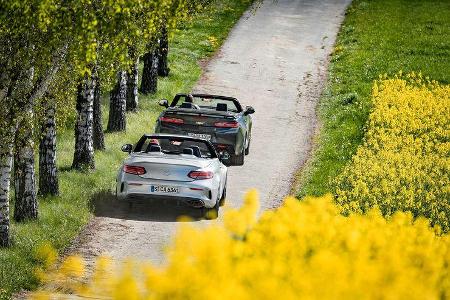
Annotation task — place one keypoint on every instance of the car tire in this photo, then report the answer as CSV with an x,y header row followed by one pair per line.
x,y
247,150
224,195
211,213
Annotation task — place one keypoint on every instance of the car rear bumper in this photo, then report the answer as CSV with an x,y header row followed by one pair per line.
x,y
193,202
196,194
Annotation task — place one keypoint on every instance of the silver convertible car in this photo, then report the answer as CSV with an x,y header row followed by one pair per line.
x,y
173,167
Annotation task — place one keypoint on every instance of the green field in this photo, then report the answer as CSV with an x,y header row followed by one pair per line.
x,y
377,37
61,218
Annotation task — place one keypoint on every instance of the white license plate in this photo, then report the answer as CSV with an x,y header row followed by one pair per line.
x,y
164,189
200,136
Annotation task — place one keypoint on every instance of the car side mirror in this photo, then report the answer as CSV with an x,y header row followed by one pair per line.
x,y
127,148
164,103
249,110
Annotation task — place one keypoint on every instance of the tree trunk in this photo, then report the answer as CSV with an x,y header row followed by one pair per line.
x,y
118,102
26,206
48,172
132,87
6,158
24,175
7,133
149,81
163,64
84,144
99,138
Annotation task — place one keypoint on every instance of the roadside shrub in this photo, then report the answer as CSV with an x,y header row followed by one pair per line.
x,y
404,162
303,250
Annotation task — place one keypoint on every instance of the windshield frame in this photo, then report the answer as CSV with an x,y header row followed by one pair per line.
x,y
138,147
177,98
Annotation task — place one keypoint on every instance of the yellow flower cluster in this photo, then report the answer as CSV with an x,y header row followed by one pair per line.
x,y
213,41
46,255
404,163
303,250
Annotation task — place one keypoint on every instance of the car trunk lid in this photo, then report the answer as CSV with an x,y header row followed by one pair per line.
x,y
168,168
200,118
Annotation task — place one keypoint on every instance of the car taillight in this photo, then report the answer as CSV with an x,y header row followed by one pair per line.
x,y
232,124
134,170
171,120
199,175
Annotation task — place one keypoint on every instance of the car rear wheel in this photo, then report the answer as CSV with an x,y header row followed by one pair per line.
x,y
224,195
247,150
237,160
211,213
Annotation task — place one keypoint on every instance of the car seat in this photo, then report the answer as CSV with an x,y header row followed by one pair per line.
x,y
196,151
188,151
153,148
222,107
189,105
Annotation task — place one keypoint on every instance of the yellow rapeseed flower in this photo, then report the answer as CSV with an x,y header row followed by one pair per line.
x,y
46,254
73,266
404,162
303,250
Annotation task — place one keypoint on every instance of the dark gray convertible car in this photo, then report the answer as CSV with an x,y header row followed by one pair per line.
x,y
218,119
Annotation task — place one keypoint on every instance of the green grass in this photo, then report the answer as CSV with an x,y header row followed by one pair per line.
x,y
377,37
61,218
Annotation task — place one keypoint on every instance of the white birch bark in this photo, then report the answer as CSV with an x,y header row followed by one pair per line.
x,y
84,146
99,138
26,206
132,87
48,172
118,102
6,158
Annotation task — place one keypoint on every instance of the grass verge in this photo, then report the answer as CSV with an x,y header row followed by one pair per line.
x,y
61,218
377,37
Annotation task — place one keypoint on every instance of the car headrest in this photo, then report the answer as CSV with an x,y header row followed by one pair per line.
x,y
222,107
189,98
188,151
189,105
196,150
153,148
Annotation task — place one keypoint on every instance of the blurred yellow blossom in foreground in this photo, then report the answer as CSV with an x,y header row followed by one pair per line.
x,y
303,250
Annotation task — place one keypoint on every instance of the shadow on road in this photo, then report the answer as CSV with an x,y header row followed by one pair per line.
x,y
105,204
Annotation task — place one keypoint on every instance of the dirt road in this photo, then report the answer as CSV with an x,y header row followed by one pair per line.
x,y
275,60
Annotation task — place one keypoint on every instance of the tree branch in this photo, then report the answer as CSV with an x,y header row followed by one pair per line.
x,y
41,86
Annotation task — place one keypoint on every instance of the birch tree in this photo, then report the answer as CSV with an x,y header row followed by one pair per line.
x,y
84,145
149,83
163,51
118,102
98,135
45,35
132,86
48,171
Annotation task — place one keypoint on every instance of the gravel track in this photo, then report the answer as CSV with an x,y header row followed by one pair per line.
x,y
274,59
